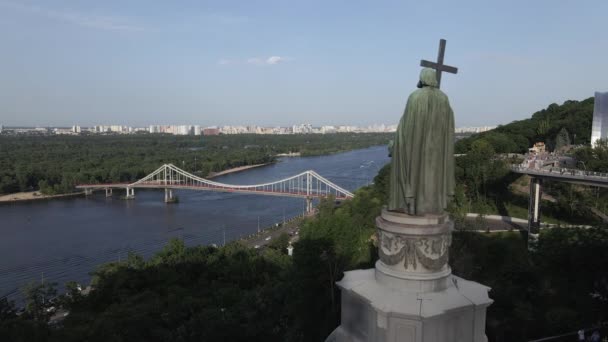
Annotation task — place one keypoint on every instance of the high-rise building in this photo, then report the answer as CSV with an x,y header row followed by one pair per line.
x,y
599,127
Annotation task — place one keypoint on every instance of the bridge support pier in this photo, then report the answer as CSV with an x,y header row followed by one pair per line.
x,y
108,192
536,193
309,206
130,193
169,196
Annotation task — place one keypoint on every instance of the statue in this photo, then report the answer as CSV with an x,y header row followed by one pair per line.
x,y
422,170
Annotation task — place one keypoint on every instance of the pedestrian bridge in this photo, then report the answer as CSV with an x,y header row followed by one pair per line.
x,y
574,176
307,184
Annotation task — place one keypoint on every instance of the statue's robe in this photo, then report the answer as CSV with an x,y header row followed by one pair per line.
x,y
422,170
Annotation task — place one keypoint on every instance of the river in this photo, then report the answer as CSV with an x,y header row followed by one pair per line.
x,y
65,239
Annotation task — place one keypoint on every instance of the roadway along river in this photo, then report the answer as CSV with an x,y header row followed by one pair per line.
x,y
65,239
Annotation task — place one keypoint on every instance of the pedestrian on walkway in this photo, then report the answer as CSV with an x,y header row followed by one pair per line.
x,y
581,335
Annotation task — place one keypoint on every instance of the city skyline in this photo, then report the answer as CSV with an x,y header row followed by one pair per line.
x,y
269,63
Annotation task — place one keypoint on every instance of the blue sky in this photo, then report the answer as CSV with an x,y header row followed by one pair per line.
x,y
285,62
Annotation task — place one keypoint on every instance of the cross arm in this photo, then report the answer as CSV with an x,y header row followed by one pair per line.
x,y
441,67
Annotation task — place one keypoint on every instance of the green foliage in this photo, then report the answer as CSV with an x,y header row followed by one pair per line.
x,y
349,226
559,286
593,159
37,300
544,125
280,243
315,303
54,164
231,293
479,171
7,309
381,182
562,140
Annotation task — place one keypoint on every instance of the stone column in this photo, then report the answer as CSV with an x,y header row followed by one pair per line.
x,y
130,193
411,295
536,193
169,196
309,206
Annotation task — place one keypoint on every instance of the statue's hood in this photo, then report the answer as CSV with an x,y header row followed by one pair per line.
x,y
428,78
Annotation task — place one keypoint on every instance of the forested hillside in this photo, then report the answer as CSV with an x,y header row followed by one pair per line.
x,y
573,116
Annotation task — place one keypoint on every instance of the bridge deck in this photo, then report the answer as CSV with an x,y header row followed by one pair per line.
x,y
299,194
168,176
566,175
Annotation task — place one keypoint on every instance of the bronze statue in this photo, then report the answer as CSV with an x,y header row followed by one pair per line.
x,y
422,170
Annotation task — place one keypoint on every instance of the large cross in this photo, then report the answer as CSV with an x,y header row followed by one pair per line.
x,y
439,66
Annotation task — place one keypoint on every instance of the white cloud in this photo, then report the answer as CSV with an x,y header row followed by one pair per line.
x,y
272,60
275,60
109,23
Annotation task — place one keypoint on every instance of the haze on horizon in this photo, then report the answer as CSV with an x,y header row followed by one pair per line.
x,y
281,62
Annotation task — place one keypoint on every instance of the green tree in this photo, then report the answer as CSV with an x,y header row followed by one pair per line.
x,y
38,300
562,140
280,243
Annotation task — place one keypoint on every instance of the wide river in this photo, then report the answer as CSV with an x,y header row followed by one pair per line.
x,y
65,239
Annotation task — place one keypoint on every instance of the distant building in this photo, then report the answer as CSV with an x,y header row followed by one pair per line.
x,y
184,130
473,129
538,147
599,127
211,131
76,129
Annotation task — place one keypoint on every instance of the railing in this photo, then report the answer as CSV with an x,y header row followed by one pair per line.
x,y
560,172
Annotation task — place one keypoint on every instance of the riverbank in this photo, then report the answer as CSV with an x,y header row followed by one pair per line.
x,y
33,196
234,170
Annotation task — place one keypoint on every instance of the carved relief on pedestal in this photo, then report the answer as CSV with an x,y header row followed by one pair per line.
x,y
431,252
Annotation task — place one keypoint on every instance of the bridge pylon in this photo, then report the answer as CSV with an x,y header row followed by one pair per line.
x,y
169,198
130,193
309,206
536,193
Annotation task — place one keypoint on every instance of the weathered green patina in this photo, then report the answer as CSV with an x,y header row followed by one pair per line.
x,y
422,170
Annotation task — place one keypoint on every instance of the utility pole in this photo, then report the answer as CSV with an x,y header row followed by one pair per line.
x,y
283,216
258,224
224,229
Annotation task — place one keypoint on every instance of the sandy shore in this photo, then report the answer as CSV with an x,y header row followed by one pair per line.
x,y
233,170
32,196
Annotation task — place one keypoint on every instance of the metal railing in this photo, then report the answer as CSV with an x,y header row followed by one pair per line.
x,y
561,172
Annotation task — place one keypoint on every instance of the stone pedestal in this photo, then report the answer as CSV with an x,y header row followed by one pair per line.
x,y
411,295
